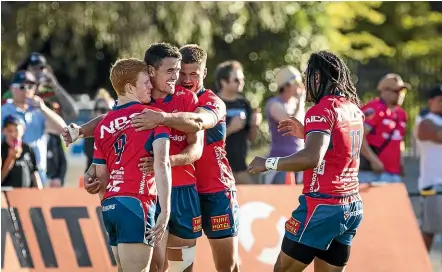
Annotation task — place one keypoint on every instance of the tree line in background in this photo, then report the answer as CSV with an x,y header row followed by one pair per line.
x,y
82,39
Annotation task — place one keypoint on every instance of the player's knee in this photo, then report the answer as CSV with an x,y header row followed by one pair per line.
x,y
181,259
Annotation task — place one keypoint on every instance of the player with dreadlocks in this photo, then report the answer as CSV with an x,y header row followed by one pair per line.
x,y
330,207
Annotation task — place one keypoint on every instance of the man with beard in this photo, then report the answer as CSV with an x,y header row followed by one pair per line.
x,y
384,132
216,184
163,62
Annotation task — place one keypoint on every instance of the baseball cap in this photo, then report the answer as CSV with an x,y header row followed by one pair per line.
x,y
435,91
287,74
37,59
12,120
392,82
20,77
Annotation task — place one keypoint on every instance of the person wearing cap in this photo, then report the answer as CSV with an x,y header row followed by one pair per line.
x,y
290,101
384,132
19,166
48,86
242,121
429,140
31,109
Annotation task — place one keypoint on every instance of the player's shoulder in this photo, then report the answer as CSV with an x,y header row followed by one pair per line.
x,y
323,105
209,95
184,94
149,107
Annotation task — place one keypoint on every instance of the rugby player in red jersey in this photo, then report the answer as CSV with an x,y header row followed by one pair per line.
x,y
163,61
216,184
130,196
330,207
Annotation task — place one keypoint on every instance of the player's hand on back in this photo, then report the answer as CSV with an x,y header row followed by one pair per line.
x,y
291,127
71,133
156,234
147,119
258,165
146,165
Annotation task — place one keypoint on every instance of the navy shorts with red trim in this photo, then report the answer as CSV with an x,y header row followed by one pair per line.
x,y
320,219
219,214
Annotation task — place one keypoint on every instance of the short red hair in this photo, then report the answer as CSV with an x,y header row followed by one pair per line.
x,y
126,71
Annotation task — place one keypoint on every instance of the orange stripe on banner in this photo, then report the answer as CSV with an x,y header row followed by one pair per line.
x,y
62,231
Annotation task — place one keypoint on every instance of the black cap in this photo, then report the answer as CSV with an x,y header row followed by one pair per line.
x,y
435,91
21,77
12,120
37,59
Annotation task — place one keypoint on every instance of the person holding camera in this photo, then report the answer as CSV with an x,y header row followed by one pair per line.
x,y
48,86
32,110
19,166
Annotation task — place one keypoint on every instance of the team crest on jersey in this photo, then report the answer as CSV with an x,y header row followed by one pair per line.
x,y
221,222
196,224
292,226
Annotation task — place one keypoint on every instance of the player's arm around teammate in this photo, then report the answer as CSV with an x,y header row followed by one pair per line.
x,y
311,156
201,119
189,155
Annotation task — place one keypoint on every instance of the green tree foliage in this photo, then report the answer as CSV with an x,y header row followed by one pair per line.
x,y
81,39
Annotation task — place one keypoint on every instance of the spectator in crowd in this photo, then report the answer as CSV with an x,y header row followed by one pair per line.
x,y
384,131
48,86
103,104
19,166
290,101
242,121
38,118
56,158
429,140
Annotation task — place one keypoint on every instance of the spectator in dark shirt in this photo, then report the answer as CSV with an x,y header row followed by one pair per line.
x,y
56,158
242,121
19,167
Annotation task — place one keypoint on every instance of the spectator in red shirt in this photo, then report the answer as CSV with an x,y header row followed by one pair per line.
x,y
384,132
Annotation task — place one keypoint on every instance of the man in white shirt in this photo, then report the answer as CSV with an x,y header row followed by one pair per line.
x,y
429,140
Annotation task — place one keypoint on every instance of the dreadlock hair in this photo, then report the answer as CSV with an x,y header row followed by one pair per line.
x,y
193,53
334,77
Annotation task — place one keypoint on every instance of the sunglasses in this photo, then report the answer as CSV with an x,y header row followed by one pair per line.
x,y
23,87
398,91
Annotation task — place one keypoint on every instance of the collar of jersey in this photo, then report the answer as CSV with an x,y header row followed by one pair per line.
x,y
200,92
168,98
125,105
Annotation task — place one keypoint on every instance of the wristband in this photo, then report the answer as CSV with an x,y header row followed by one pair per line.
x,y
272,163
